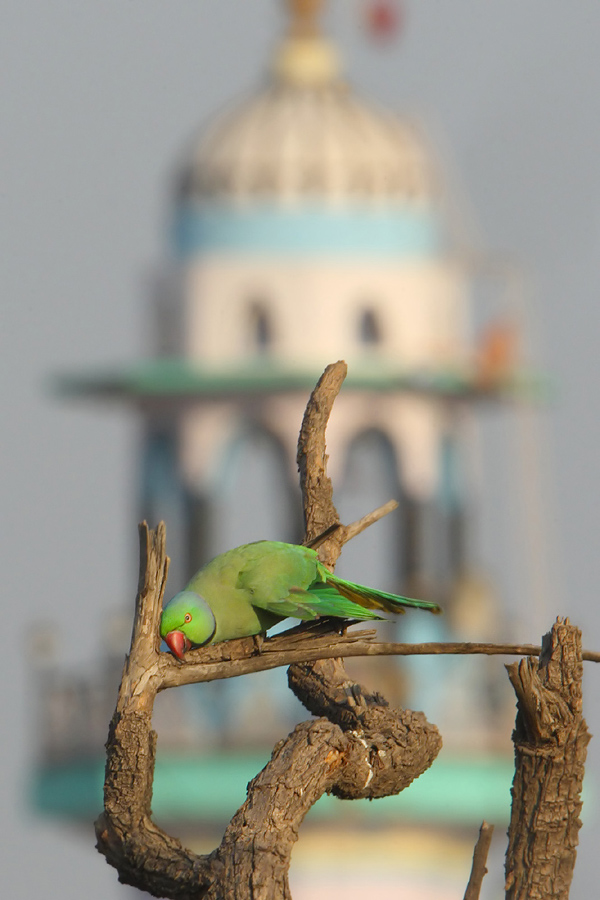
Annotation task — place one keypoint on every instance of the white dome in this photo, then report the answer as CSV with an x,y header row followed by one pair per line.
x,y
307,135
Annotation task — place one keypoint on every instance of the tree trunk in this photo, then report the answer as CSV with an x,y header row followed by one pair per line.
x,y
550,739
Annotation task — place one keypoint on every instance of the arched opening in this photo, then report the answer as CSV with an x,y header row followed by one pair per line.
x,y
370,479
373,557
254,501
255,495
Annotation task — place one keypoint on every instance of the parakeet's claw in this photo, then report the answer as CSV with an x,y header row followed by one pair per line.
x,y
344,625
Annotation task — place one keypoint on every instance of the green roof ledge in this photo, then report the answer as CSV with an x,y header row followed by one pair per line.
x,y
178,379
209,788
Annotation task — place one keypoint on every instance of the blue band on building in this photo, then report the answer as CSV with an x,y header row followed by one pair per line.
x,y
382,233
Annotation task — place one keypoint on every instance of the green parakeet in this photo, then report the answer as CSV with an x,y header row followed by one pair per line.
x,y
248,590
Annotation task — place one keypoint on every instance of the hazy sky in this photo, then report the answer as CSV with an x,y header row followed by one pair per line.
x,y
96,102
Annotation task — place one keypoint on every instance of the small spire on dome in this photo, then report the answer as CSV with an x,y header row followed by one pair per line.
x,y
305,58
303,17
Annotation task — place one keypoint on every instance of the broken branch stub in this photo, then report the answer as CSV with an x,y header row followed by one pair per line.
x,y
317,491
479,868
550,740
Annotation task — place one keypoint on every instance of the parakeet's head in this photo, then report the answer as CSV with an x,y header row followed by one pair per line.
x,y
186,620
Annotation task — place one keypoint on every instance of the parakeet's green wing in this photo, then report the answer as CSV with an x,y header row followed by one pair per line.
x,y
321,600
268,569
289,580
284,579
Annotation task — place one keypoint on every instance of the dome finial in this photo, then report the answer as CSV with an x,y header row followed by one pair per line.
x,y
303,17
304,57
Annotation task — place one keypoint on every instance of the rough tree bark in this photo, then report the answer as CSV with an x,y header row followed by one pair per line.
x,y
550,739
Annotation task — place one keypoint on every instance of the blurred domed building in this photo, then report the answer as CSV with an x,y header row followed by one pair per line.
x,y
308,226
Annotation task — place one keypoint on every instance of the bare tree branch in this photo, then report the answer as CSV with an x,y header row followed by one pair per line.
x,y
480,855
362,749
317,491
360,525
246,655
144,856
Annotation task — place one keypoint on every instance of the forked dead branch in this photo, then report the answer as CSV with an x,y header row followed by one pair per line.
x,y
360,747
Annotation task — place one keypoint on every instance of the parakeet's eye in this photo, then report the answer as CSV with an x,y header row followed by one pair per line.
x,y
187,617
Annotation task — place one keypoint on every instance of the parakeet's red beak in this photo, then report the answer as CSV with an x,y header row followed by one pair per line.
x,y
177,643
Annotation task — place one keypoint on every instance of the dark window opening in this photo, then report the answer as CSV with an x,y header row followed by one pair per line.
x,y
261,329
370,328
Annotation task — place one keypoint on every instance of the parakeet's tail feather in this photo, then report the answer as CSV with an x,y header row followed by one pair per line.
x,y
319,600
369,598
326,600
